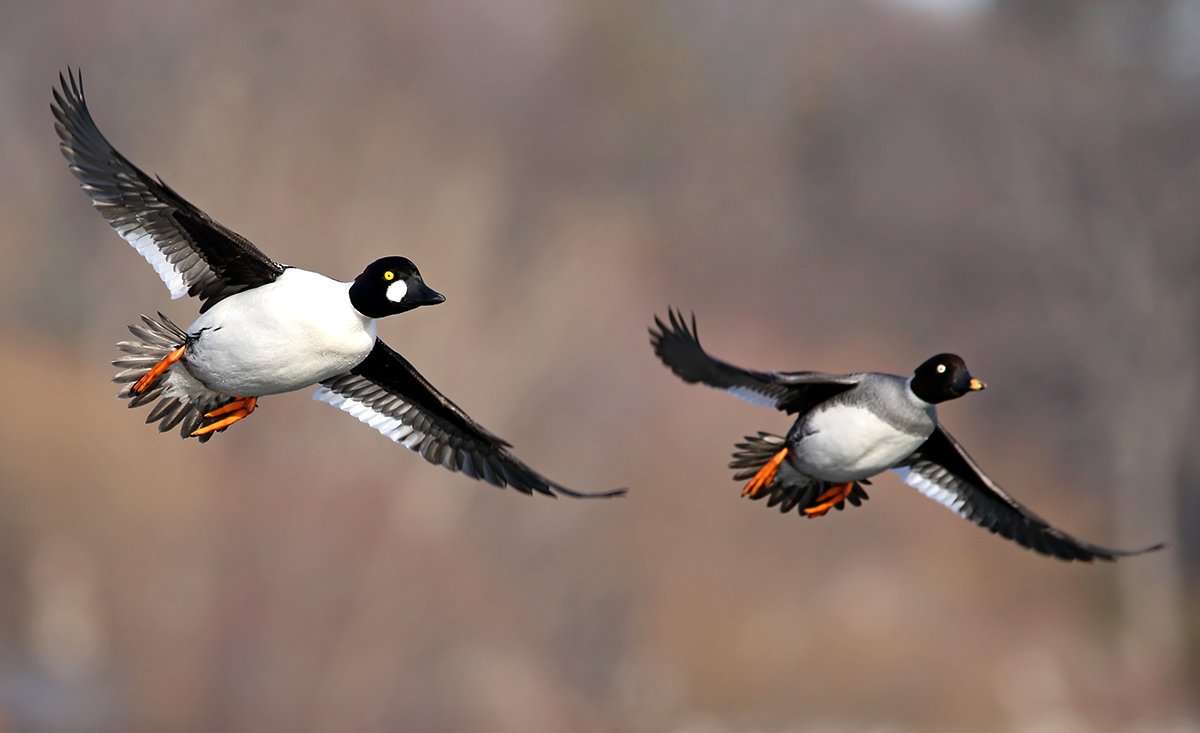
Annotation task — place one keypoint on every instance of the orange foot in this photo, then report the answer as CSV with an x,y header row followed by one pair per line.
x,y
829,500
235,411
149,378
765,475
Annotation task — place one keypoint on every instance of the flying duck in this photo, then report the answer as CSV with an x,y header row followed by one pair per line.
x,y
265,328
850,427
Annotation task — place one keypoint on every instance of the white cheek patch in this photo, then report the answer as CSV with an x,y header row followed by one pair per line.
x,y
396,291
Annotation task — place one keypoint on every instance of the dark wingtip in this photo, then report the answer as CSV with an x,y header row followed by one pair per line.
x,y
676,325
1106,554
71,84
658,321
659,331
1152,548
610,494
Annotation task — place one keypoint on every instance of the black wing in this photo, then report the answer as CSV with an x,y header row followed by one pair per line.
x,y
942,470
678,346
388,394
193,254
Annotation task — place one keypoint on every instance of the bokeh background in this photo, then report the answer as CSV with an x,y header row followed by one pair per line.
x,y
829,185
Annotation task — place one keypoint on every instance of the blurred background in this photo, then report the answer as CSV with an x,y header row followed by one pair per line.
x,y
829,185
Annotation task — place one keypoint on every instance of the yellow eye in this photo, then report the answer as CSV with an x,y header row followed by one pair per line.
x,y
389,276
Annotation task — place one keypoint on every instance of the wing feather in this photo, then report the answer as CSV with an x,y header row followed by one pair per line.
x,y
943,471
191,253
677,344
388,394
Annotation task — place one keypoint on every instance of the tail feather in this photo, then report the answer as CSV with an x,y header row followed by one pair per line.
x,y
754,454
145,398
169,413
789,489
184,400
159,411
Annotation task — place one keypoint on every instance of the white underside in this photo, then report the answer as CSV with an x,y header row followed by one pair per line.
x,y
391,427
851,443
279,337
148,248
749,395
945,497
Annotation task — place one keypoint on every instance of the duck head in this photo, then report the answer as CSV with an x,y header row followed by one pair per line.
x,y
943,377
391,285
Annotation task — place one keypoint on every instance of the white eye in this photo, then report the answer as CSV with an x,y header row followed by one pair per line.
x,y
396,291
941,368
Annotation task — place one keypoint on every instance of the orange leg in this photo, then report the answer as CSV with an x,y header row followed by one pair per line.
x,y
233,412
765,475
829,499
149,378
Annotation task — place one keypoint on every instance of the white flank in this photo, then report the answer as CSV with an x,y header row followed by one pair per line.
x,y
943,496
288,334
846,443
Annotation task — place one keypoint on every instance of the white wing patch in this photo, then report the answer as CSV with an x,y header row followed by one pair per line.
x,y
147,247
391,427
941,495
751,396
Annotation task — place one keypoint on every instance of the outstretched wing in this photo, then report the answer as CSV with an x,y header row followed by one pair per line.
x,y
388,394
942,470
678,346
193,254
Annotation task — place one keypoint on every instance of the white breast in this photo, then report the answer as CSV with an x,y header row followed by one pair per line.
x,y
847,443
279,337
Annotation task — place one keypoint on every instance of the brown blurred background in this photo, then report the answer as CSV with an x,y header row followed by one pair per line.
x,y
830,185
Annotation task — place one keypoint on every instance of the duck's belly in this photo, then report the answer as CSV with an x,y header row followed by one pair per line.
x,y
289,334
845,443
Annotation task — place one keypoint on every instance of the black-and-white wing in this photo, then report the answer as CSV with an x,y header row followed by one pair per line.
x,y
678,346
942,470
193,254
388,394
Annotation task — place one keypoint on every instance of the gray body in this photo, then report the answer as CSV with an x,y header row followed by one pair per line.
x,y
850,427
861,432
